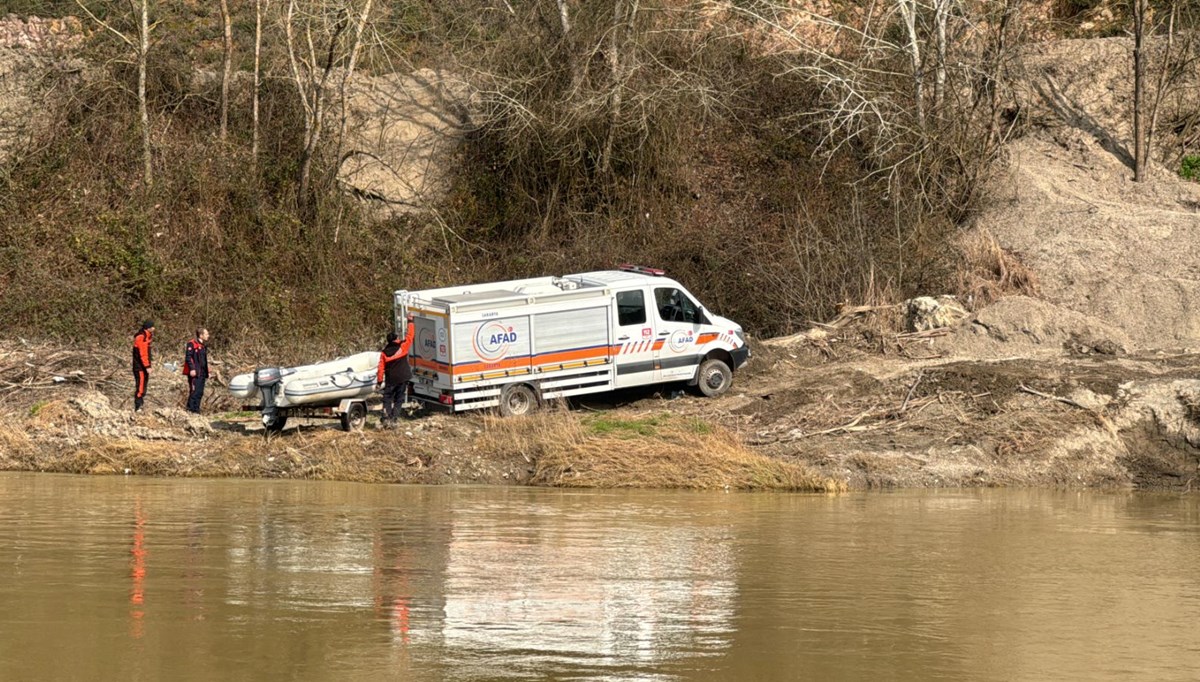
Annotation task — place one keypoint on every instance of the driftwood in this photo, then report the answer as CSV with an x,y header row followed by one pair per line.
x,y
1067,401
911,390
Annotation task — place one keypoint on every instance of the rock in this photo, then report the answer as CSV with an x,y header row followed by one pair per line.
x,y
192,423
1090,399
95,406
927,312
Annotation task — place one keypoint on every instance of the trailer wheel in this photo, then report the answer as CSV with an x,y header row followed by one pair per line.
x,y
714,377
354,418
517,399
274,423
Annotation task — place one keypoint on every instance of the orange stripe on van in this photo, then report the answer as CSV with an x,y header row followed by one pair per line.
x,y
705,338
469,367
430,364
567,356
602,352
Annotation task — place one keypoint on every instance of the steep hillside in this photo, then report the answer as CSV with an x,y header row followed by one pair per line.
x,y
1101,244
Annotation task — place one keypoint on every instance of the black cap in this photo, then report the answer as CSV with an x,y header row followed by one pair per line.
x,y
392,337
147,324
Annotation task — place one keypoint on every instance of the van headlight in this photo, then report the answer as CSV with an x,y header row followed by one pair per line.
x,y
741,336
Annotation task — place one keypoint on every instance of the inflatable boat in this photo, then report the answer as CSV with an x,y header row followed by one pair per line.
x,y
277,390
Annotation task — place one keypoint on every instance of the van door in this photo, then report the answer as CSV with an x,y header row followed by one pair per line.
x,y
633,338
679,320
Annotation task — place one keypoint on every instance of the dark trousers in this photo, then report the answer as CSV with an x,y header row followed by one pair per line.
x,y
141,380
393,395
195,393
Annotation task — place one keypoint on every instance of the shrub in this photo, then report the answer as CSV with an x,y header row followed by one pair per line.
x,y
1189,167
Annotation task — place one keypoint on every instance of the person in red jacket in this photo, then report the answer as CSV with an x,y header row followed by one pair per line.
x,y
195,366
142,356
394,371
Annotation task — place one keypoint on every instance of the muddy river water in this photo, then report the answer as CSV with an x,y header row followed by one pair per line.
x,y
161,579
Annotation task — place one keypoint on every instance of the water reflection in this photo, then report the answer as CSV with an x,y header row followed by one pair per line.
x,y
569,590
156,579
137,592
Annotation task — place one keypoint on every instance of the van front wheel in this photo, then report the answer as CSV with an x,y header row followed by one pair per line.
x,y
516,400
714,377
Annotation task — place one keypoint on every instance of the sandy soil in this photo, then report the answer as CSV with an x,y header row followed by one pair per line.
x,y
1102,245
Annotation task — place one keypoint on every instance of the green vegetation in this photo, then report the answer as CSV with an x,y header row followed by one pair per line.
x,y
606,424
1189,167
657,451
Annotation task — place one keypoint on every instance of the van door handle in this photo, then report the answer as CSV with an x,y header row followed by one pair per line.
x,y
622,338
663,333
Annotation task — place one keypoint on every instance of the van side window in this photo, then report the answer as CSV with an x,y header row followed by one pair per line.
x,y
631,307
675,306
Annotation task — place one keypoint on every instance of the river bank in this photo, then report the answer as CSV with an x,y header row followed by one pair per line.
x,y
854,410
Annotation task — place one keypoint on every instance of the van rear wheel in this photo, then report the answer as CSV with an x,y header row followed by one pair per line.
x,y
714,377
517,399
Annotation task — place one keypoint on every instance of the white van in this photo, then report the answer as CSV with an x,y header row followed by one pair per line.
x,y
515,344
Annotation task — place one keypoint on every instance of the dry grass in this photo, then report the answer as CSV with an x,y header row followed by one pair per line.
x,y
988,271
321,455
653,452
16,448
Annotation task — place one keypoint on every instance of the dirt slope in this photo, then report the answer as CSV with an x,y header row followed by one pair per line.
x,y
1102,244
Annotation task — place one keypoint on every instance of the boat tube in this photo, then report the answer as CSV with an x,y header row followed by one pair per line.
x,y
316,385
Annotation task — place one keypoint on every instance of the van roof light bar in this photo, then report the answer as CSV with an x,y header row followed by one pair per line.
x,y
642,269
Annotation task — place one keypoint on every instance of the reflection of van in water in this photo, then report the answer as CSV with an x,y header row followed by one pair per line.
x,y
514,344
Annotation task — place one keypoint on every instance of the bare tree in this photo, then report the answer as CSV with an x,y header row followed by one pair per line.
x,y
941,17
1178,59
908,12
1140,9
853,64
360,27
620,62
310,72
998,54
227,71
317,44
139,44
260,8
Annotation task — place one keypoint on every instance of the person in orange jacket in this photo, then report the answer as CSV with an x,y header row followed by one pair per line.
x,y
142,356
394,371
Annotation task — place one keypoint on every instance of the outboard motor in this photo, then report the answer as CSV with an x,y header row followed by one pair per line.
x,y
267,380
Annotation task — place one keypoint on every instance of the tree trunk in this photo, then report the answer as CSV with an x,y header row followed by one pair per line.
x,y
1163,76
1139,94
227,27
620,69
941,10
361,26
259,7
143,111
564,16
908,11
317,97
1000,54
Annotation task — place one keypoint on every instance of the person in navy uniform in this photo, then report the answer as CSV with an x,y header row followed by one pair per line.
x,y
195,366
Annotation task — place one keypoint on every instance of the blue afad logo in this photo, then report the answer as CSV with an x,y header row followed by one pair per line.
x,y
493,339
